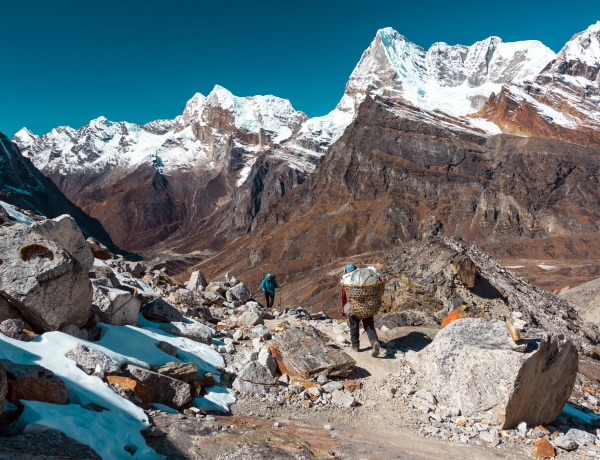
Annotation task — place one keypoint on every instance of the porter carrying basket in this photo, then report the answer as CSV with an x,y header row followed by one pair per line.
x,y
363,290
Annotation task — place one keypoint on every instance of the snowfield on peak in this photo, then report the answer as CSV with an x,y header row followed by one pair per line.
x,y
103,143
254,113
454,79
584,47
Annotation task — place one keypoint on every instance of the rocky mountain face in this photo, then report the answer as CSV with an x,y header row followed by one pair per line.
x,y
393,177
561,102
146,183
23,185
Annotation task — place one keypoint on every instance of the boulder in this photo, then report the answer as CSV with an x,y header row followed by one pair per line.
x,y
186,372
254,378
99,251
76,332
136,269
214,298
395,319
239,292
129,384
266,359
203,381
194,331
104,272
167,348
91,360
261,331
197,282
161,311
42,280
542,448
565,443
33,382
217,287
343,399
13,328
181,297
171,392
250,319
115,306
472,364
64,231
303,352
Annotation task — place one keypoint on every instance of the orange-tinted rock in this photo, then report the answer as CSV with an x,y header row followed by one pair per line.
x,y
542,448
99,252
137,388
352,385
457,313
34,383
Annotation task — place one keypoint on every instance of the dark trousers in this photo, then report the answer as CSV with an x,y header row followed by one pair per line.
x,y
368,324
270,299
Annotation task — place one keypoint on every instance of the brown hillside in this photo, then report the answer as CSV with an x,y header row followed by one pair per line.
x,y
390,179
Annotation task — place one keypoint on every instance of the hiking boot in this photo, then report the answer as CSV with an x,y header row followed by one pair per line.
x,y
355,347
375,348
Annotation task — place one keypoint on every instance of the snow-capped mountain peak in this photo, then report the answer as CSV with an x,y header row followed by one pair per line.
x,y
584,46
454,79
24,137
193,108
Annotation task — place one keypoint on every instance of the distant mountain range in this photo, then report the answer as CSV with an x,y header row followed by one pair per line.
x,y
229,166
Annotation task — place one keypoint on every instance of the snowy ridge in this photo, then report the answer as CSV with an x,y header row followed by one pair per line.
x,y
456,80
254,114
103,144
453,79
567,91
584,46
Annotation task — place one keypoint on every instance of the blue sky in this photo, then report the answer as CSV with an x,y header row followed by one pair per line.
x,y
65,62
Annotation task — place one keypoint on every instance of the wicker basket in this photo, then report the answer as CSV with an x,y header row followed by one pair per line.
x,y
365,300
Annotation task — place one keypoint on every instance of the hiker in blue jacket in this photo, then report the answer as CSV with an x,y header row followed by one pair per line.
x,y
269,286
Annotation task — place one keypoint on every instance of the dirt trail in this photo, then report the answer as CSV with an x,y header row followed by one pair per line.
x,y
377,428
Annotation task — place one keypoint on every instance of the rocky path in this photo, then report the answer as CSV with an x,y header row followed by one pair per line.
x,y
378,428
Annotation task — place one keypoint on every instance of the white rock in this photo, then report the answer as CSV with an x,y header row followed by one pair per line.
x,y
472,364
265,358
576,434
238,335
564,442
257,343
341,339
519,324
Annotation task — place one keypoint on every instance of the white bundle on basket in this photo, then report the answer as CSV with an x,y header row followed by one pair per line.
x,y
364,288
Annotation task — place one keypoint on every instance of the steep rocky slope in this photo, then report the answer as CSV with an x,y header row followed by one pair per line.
x,y
148,183
393,177
561,102
22,185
